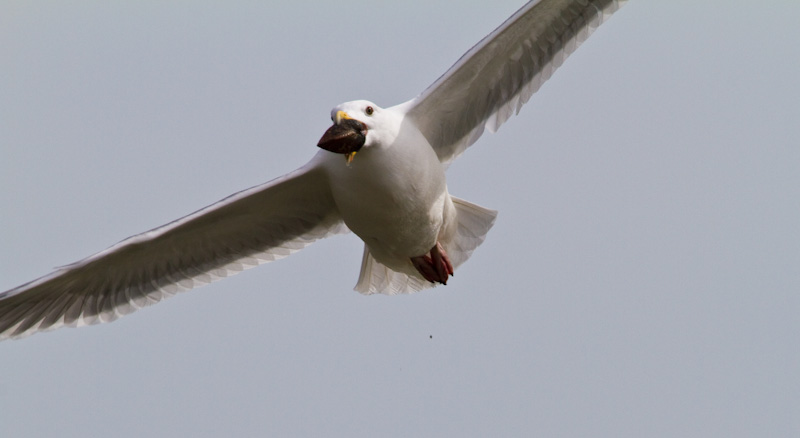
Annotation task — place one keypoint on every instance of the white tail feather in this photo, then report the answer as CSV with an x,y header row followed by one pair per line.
x,y
474,222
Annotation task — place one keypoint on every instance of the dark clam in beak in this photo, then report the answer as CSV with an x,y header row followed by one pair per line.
x,y
345,137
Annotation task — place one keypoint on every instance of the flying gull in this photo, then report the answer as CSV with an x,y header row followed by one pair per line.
x,y
380,173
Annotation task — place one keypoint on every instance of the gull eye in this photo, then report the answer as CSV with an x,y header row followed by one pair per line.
x,y
369,110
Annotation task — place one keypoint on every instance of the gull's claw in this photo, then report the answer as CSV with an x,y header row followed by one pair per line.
x,y
434,266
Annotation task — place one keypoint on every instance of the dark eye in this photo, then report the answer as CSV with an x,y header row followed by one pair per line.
x,y
369,110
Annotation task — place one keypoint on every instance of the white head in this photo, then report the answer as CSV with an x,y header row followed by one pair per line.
x,y
358,124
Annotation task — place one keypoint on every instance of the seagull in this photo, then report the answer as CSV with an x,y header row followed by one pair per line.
x,y
379,172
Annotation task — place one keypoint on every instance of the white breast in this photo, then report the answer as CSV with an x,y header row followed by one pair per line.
x,y
393,196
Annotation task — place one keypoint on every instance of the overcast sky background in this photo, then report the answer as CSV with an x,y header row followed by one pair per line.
x,y
642,279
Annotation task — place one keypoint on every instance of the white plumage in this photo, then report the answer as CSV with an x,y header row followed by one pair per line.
x,y
393,194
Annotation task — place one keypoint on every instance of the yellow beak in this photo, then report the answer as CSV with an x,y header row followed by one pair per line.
x,y
340,115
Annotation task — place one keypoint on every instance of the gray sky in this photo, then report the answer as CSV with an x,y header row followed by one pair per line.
x,y
641,280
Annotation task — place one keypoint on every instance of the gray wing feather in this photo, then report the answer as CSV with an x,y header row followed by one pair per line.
x,y
257,225
495,78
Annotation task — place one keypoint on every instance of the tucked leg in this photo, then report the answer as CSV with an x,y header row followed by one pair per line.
x,y
434,266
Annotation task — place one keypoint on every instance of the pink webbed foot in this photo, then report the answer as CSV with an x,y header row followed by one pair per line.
x,y
434,266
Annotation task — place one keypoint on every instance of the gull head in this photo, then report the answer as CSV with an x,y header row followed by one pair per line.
x,y
352,122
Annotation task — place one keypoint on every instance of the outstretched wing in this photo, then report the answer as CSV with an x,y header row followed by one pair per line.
x,y
257,225
499,74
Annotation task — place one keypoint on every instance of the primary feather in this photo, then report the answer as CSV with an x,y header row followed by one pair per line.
x,y
257,225
497,76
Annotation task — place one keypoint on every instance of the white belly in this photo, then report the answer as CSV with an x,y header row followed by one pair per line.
x,y
394,198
